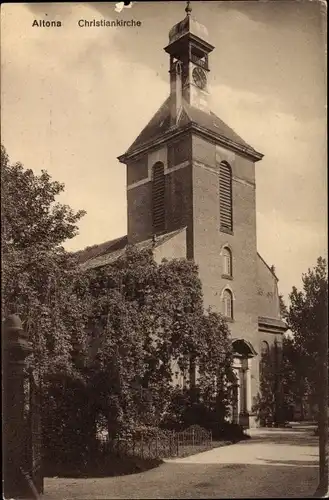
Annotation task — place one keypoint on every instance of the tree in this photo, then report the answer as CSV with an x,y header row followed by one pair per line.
x,y
30,215
283,307
104,340
266,400
40,282
294,384
144,316
38,275
307,318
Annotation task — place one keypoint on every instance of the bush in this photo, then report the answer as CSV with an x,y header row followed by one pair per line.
x,y
150,433
229,431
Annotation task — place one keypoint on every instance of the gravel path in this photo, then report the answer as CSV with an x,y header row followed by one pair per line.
x,y
274,463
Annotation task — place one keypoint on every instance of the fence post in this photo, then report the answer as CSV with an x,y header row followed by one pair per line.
x,y
193,438
15,349
156,447
142,445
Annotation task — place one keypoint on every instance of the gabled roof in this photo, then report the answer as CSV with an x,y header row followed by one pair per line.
x,y
101,249
160,126
106,253
268,267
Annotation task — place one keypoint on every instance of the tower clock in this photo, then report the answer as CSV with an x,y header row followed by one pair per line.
x,y
199,77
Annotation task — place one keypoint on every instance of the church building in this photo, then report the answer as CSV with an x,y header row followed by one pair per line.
x,y
191,193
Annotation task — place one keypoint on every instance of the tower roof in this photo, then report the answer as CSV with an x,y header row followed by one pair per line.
x,y
186,30
188,25
159,129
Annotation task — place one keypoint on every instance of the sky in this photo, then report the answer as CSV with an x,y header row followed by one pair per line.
x,y
73,99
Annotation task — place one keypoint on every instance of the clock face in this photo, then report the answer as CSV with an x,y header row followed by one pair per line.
x,y
199,77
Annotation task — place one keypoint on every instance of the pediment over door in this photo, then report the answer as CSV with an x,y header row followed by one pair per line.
x,y
243,348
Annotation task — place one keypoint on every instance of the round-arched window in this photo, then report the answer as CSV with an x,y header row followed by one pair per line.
x,y
227,261
264,353
228,304
265,348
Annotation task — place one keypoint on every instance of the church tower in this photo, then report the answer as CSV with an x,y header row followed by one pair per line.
x,y
187,170
189,65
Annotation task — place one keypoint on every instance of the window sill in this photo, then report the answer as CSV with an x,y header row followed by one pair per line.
x,y
225,230
229,320
227,277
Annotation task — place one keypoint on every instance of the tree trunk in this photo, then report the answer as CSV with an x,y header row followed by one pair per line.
x,y
302,413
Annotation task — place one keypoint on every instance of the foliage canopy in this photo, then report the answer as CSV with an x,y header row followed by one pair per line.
x,y
105,340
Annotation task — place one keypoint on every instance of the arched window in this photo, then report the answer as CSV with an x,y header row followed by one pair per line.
x,y
264,354
227,261
228,304
158,198
225,197
265,349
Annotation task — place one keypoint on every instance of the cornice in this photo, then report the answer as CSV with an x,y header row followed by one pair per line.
x,y
189,37
198,129
271,325
228,143
154,143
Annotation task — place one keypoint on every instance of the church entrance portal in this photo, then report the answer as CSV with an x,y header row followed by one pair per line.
x,y
243,353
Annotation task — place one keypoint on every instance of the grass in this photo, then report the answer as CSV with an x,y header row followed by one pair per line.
x,y
110,467
113,465
186,451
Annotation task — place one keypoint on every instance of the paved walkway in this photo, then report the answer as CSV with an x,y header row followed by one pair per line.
x,y
279,463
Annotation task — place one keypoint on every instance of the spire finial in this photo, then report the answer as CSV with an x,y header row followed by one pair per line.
x,y
188,8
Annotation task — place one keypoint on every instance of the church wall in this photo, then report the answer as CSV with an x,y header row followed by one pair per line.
x,y
267,291
178,190
244,170
244,250
268,337
187,196
209,241
139,201
179,151
137,170
179,198
158,155
175,248
203,151
179,206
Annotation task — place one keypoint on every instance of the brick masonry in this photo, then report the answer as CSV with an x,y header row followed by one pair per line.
x,y
192,201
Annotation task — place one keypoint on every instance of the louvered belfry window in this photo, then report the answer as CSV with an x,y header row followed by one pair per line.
x,y
158,198
225,197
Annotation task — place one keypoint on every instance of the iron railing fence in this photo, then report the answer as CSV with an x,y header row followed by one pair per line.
x,y
158,444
